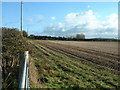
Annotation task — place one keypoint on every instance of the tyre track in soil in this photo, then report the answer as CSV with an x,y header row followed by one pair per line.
x,y
98,53
112,57
90,56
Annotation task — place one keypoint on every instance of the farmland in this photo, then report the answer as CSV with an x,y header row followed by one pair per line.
x,y
60,64
65,64
102,53
108,47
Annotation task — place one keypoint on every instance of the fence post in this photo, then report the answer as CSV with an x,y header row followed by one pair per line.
x,y
23,70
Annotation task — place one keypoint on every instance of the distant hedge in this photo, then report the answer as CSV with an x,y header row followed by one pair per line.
x,y
69,38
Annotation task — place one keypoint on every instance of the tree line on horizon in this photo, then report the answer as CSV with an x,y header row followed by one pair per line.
x,y
78,37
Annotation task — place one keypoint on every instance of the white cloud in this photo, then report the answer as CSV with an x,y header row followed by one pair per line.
x,y
53,18
87,18
28,25
29,20
88,6
113,20
1,17
39,18
63,30
86,22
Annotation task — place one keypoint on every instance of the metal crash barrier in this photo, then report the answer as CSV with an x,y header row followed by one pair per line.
x,y
24,71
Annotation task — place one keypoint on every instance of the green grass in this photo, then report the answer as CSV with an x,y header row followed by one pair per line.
x,y
56,70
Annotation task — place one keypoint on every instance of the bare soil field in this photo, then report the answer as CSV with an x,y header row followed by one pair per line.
x,y
108,47
104,54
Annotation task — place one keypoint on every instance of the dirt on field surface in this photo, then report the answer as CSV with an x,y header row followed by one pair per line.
x,y
104,54
108,47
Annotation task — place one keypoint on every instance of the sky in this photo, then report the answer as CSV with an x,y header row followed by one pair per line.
x,y
94,19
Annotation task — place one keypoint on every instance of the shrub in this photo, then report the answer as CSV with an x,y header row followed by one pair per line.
x,y
12,45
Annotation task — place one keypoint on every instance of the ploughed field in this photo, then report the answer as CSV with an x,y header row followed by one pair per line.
x,y
108,47
66,64
103,54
